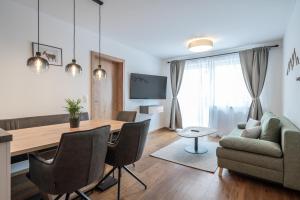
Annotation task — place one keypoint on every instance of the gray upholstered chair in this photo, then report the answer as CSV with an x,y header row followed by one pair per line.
x,y
79,161
125,116
127,149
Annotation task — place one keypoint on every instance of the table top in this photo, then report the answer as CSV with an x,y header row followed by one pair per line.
x,y
37,138
194,132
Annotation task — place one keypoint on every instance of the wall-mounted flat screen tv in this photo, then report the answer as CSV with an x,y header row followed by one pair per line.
x,y
143,86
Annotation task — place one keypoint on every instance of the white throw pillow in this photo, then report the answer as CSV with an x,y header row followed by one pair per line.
x,y
253,133
252,123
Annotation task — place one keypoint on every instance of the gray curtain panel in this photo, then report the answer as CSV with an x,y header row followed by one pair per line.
x,y
176,69
254,64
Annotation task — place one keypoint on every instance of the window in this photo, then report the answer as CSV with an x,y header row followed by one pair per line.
x,y
213,93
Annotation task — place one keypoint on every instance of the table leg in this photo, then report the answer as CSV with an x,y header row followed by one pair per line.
x,y
196,148
196,144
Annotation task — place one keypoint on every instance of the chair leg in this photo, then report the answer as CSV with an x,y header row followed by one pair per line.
x,y
82,195
119,181
220,171
67,196
58,197
133,165
134,176
107,175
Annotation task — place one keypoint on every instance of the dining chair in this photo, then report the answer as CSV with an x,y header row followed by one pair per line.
x,y
78,162
127,150
125,116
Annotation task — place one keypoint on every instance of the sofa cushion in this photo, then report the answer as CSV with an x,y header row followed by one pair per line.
x,y
251,158
265,116
253,133
236,132
270,129
257,146
241,125
252,123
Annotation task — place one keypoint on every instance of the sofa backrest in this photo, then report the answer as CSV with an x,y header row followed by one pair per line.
x,y
28,122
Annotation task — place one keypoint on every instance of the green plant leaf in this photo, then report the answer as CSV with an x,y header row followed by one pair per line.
x,y
74,108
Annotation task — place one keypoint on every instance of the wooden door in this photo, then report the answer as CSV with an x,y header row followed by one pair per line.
x,y
107,94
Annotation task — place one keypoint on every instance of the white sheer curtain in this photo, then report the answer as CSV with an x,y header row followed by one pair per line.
x,y
213,93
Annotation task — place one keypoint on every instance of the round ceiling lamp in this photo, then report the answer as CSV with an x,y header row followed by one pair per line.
x,y
37,63
73,68
99,73
200,44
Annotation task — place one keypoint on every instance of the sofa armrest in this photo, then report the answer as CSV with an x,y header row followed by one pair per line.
x,y
291,149
256,146
241,125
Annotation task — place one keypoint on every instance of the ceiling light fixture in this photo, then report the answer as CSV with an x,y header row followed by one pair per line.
x,y
73,68
200,44
37,63
99,73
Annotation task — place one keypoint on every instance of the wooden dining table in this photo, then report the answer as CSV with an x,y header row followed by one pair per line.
x,y
38,138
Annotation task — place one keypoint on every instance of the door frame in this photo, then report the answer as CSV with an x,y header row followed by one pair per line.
x,y
121,63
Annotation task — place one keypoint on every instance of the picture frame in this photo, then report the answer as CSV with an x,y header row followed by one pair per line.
x,y
52,54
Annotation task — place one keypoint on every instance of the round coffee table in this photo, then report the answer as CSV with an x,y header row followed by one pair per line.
x,y
196,132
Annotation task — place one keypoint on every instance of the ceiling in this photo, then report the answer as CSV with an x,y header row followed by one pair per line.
x,y
162,27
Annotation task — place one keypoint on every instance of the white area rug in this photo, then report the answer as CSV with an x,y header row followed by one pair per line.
x,y
175,152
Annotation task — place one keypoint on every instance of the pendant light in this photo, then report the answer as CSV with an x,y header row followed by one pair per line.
x,y
73,68
99,73
37,63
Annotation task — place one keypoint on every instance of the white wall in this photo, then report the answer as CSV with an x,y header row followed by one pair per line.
x,y
24,93
291,88
271,96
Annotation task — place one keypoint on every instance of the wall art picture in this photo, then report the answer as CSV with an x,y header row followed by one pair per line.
x,y
294,61
52,54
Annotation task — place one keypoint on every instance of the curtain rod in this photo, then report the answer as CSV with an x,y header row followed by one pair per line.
x,y
98,2
222,54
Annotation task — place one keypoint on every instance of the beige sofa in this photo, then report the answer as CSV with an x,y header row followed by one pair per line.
x,y
276,162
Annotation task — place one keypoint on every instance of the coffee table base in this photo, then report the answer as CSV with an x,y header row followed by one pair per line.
x,y
196,149
200,150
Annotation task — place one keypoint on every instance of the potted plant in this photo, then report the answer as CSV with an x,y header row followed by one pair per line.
x,y
74,109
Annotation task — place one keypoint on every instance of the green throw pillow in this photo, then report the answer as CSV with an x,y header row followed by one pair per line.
x,y
270,129
265,116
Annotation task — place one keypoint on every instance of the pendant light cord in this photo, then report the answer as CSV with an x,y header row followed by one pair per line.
x,y
74,7
38,25
99,35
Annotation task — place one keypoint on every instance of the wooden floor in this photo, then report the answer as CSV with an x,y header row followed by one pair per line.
x,y
169,181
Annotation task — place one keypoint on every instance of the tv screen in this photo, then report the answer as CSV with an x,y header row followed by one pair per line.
x,y
144,86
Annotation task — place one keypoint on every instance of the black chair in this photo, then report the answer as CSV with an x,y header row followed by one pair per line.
x,y
79,161
125,116
128,149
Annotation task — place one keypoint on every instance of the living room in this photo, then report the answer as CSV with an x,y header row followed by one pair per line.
x,y
212,85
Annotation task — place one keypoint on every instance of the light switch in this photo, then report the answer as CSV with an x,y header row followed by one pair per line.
x,y
84,99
